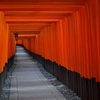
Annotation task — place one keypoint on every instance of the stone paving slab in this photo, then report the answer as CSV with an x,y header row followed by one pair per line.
x,y
28,83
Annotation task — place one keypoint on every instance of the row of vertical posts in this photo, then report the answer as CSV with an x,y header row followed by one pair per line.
x,y
74,43
7,42
7,49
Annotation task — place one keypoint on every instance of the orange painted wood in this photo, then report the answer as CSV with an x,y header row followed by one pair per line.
x,y
7,45
70,36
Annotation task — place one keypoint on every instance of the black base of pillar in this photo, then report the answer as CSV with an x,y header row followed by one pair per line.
x,y
2,78
3,74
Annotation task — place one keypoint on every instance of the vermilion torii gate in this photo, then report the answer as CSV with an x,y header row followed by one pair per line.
x,y
61,34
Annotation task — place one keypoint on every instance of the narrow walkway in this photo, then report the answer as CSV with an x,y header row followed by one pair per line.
x,y
28,83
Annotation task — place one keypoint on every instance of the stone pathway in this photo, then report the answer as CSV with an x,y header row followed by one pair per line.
x,y
28,83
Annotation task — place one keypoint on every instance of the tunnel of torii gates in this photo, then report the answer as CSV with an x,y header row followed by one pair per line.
x,y
63,35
